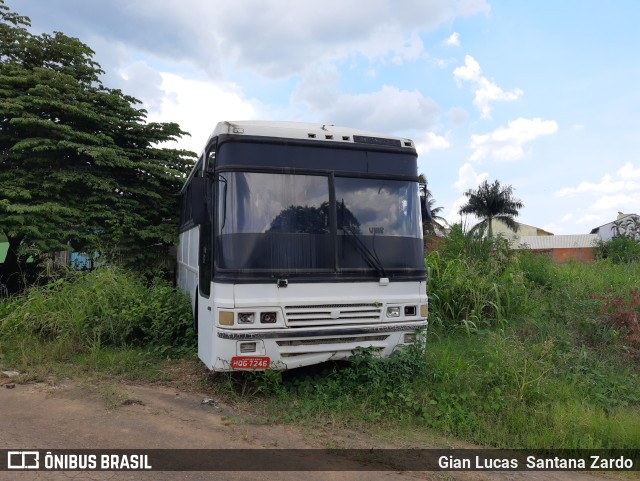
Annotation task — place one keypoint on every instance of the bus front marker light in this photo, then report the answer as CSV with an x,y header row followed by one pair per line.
x,y
393,311
424,310
247,347
268,317
246,317
225,318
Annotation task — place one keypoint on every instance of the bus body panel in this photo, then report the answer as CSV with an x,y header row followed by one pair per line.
x,y
314,322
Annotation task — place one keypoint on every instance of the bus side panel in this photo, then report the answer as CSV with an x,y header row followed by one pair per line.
x,y
205,328
210,347
188,265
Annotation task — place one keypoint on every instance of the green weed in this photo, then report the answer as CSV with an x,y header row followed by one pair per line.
x,y
473,284
108,319
521,353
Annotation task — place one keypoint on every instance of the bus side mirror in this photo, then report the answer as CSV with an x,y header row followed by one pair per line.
x,y
424,208
200,200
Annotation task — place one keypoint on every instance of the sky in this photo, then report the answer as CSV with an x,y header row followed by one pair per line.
x,y
543,96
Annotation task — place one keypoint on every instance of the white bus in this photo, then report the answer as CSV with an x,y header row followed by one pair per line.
x,y
301,243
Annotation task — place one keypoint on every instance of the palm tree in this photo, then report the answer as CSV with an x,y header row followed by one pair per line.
x,y
492,201
627,226
437,221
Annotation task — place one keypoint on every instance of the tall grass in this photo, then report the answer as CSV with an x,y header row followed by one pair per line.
x,y
474,283
521,353
87,312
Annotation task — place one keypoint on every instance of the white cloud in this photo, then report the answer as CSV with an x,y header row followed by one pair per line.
x,y
506,143
319,87
429,141
452,40
198,106
485,90
554,228
441,63
594,220
599,202
286,36
605,208
468,178
627,171
470,72
617,202
274,38
607,185
388,110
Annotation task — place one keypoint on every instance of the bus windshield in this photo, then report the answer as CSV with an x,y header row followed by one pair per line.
x,y
297,223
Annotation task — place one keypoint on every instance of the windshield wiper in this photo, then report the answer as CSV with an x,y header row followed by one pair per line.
x,y
371,257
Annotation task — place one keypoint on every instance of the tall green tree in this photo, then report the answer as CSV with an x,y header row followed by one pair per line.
x,y
492,201
80,167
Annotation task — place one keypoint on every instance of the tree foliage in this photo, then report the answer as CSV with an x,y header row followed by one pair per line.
x,y
621,249
80,167
438,223
492,201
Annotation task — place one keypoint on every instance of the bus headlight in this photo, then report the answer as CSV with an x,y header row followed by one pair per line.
x,y
409,311
409,337
246,317
268,317
393,311
225,318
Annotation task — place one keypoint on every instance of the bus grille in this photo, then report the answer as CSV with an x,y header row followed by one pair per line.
x,y
331,340
332,314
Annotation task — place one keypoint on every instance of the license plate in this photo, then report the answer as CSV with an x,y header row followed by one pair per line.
x,y
250,362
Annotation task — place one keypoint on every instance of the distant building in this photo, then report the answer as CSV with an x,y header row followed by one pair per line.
x,y
625,224
499,227
562,248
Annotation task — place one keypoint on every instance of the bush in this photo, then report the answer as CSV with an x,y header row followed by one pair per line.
x,y
473,282
621,319
619,250
538,269
104,307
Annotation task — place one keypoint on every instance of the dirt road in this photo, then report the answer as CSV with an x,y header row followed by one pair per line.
x,y
73,416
